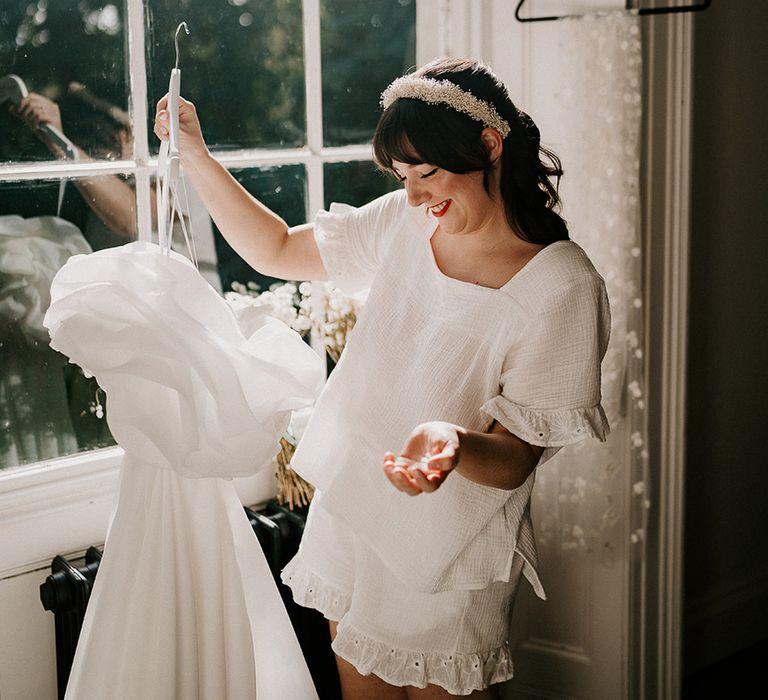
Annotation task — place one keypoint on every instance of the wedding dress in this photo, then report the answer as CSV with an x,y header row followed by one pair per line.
x,y
184,605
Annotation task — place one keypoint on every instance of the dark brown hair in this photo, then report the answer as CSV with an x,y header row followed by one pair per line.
x,y
413,131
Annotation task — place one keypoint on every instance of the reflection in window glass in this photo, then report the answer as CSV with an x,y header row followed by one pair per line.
x,y
365,45
48,408
355,182
242,65
69,56
101,208
284,191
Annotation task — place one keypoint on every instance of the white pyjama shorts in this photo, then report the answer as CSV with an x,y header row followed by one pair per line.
x,y
455,639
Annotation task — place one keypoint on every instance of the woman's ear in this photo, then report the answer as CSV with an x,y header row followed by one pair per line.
x,y
493,142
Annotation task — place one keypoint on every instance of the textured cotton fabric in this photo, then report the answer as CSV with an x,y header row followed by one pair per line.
x,y
184,606
429,347
457,639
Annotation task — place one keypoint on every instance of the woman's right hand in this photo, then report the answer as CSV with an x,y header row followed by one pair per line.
x,y
37,110
191,142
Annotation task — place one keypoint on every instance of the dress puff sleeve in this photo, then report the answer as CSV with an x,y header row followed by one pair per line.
x,y
550,382
352,240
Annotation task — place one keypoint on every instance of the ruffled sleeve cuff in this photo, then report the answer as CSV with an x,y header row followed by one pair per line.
x,y
548,428
332,235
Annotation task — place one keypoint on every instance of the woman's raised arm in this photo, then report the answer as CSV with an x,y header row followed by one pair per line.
x,y
255,232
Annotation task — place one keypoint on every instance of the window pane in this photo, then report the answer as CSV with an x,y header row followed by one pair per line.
x,y
48,408
355,182
102,208
242,65
71,54
284,191
365,45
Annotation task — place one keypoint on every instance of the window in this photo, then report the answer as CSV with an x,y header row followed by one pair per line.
x,y
284,102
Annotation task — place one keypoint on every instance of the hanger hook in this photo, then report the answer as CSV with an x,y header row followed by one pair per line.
x,y
176,39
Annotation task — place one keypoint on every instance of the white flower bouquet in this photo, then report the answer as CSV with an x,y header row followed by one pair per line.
x,y
333,322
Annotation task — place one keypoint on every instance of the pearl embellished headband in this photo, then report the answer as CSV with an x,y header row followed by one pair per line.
x,y
445,92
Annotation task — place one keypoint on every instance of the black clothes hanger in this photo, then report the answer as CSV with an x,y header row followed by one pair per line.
x,y
703,5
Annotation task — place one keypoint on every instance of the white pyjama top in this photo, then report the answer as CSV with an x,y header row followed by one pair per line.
x,y
429,347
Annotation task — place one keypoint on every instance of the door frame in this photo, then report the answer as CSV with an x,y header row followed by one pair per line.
x,y
655,665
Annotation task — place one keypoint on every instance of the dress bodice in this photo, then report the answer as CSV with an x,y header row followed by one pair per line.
x,y
190,386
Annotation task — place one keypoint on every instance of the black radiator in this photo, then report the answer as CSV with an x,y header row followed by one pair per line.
x,y
67,590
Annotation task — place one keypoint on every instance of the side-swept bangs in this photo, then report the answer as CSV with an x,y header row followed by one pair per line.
x,y
412,131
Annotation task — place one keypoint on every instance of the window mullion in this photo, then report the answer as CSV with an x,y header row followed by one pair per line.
x,y
313,81
314,96
47,170
139,111
265,158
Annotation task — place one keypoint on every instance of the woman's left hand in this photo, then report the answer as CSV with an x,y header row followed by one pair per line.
x,y
430,453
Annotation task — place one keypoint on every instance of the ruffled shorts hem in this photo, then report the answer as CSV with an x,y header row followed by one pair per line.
x,y
311,591
459,674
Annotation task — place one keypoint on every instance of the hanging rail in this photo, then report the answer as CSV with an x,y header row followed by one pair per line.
x,y
640,11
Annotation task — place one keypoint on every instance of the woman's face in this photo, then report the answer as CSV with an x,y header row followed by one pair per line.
x,y
458,202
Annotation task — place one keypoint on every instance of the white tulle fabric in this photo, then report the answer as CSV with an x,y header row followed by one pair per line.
x,y
184,605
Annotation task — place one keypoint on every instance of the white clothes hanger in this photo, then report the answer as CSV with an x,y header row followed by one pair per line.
x,y
168,169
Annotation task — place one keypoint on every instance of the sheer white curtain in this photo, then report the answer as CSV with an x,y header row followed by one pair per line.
x,y
582,85
586,96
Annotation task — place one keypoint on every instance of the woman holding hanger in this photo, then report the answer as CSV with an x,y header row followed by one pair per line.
x,y
476,358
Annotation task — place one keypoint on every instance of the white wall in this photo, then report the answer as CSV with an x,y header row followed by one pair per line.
x,y
27,647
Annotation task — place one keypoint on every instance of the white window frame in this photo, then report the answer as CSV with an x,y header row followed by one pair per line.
x,y
63,505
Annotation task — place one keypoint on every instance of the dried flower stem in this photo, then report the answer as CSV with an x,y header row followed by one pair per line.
x,y
291,488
